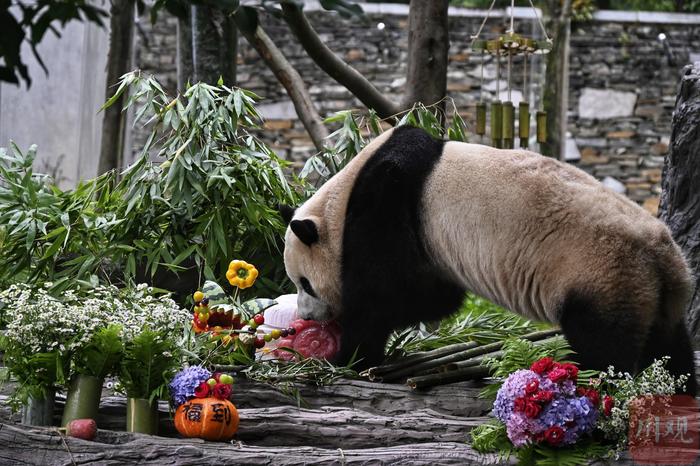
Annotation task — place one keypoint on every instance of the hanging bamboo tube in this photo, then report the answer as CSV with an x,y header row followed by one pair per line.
x,y
541,127
524,124
508,124
497,124
481,118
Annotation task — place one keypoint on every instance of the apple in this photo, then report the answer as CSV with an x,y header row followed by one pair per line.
x,y
85,429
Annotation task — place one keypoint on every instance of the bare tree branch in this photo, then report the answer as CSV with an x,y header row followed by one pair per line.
x,y
428,43
336,68
288,77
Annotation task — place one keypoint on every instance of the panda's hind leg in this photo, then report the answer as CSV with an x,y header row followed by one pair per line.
x,y
601,337
671,339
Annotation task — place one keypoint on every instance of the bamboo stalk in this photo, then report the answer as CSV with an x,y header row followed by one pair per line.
x,y
376,372
453,366
229,368
468,373
496,354
461,356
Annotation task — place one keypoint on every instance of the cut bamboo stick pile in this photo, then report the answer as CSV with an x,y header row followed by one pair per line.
x,y
452,363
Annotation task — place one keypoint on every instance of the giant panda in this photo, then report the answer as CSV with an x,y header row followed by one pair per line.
x,y
412,223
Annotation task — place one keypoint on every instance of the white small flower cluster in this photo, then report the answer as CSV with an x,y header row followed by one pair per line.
x,y
40,322
654,380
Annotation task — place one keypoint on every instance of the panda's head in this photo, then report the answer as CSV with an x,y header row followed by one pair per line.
x,y
311,265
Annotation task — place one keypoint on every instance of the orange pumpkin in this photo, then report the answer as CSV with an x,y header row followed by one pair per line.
x,y
207,418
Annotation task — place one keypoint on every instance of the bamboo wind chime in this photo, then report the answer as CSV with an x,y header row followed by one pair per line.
x,y
510,45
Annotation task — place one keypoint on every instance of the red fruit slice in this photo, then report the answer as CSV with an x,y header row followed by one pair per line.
x,y
312,340
316,342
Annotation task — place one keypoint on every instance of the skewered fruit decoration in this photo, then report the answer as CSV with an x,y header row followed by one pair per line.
x,y
211,318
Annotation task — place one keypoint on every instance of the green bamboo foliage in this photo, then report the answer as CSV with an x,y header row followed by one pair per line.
x,y
203,191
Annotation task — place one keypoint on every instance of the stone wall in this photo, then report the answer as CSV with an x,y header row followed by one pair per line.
x,y
622,83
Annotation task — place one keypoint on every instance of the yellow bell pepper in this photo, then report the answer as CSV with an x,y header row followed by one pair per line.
x,y
241,274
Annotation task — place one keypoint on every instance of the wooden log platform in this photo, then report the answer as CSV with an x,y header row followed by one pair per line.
x,y
23,445
348,422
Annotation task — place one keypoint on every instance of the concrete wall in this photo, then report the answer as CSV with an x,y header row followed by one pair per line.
x,y
59,112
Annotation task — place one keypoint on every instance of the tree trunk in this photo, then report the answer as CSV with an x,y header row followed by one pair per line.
x,y
680,196
287,75
556,91
24,446
184,52
428,44
207,47
118,64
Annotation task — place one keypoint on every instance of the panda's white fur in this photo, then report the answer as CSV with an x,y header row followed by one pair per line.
x,y
321,263
521,230
537,236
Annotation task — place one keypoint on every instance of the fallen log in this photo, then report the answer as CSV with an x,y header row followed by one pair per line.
x,y
47,447
327,426
460,399
349,428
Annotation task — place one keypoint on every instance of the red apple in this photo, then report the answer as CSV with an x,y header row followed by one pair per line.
x,y
85,429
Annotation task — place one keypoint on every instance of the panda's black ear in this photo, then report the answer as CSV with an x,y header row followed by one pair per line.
x,y
286,212
305,230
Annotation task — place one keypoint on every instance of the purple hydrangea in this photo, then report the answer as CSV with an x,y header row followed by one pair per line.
x,y
512,388
576,415
185,382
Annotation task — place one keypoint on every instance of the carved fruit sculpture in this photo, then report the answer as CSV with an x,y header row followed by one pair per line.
x,y
207,418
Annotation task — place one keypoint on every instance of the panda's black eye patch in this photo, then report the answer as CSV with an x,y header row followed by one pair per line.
x,y
306,286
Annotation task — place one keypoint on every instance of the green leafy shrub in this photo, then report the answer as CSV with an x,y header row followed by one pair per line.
x,y
149,361
215,196
355,128
211,197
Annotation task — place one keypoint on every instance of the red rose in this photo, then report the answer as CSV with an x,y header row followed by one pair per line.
x,y
222,391
539,438
594,396
519,404
571,370
532,409
554,435
543,396
532,387
558,374
608,404
543,365
202,391
581,391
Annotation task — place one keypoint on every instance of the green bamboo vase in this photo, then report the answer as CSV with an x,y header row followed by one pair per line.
x,y
39,411
142,416
83,400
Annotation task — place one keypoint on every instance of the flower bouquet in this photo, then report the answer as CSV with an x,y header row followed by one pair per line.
x,y
548,411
